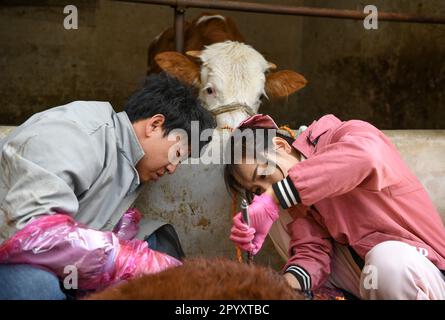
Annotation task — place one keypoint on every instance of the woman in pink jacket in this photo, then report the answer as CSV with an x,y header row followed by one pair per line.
x,y
357,218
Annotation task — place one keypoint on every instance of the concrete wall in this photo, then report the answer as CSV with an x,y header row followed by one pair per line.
x,y
44,65
393,77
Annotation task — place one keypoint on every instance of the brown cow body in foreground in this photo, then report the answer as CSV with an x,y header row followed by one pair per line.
x,y
205,279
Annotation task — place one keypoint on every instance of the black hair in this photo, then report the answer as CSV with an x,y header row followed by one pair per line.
x,y
232,185
177,102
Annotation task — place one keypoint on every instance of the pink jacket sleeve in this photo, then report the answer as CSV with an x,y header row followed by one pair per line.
x,y
310,253
355,158
99,258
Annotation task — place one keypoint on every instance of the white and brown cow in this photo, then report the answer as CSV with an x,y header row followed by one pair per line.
x,y
231,76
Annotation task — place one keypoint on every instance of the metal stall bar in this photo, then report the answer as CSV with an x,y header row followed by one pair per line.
x,y
179,28
181,5
292,10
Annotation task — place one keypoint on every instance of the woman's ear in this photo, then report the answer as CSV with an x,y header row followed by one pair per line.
x,y
154,123
280,143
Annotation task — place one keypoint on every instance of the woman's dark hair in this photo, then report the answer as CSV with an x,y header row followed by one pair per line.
x,y
239,142
162,94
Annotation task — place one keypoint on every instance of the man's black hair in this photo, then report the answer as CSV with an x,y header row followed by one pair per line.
x,y
162,94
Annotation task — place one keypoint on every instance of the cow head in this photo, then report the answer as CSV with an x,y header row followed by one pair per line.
x,y
230,74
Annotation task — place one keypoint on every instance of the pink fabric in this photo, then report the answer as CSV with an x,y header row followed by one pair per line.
x,y
397,271
400,272
135,259
263,212
258,121
101,259
128,226
363,194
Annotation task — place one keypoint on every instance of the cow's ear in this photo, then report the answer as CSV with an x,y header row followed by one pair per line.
x,y
179,66
283,83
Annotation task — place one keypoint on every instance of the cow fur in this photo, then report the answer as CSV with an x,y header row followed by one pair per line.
x,y
205,279
225,70
204,30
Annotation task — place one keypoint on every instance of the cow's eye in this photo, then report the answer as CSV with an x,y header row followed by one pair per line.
x,y
209,90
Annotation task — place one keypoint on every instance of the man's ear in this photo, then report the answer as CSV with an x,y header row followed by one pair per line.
x,y
280,143
154,123
283,83
179,66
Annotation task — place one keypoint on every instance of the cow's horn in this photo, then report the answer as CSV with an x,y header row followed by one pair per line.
x,y
194,53
272,65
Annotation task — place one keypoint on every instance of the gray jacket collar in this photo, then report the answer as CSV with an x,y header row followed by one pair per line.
x,y
127,140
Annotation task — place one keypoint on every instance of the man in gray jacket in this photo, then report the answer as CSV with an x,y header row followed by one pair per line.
x,y
88,161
